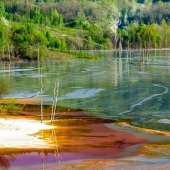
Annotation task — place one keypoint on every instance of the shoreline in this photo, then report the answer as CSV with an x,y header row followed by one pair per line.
x,y
75,137
132,163
85,142
19,133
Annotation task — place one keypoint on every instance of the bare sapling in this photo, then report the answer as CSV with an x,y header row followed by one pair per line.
x,y
120,46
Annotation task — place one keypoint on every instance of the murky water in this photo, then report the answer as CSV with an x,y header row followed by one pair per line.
x,y
133,85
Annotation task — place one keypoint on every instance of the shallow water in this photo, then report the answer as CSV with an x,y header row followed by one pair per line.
x,y
78,137
113,86
118,86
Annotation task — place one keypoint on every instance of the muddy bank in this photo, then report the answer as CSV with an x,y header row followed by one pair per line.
x,y
110,164
75,136
80,141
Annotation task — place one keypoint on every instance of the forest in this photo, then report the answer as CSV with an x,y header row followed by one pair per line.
x,y
31,29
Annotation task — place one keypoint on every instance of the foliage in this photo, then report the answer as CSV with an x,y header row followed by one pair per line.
x,y
81,54
2,9
146,36
10,108
4,38
30,27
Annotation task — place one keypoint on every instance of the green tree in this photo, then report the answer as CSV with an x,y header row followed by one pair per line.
x,y
164,33
4,39
60,20
36,14
54,17
81,18
20,40
37,39
2,9
63,44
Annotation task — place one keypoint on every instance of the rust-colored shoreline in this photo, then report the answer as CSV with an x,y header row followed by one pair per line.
x,y
84,141
19,101
80,129
82,136
77,136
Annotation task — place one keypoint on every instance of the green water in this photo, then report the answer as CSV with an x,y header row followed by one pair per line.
x,y
116,86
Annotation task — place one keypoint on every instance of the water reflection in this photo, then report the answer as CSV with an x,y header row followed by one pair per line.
x,y
77,137
127,63
6,160
57,155
146,99
11,157
115,73
111,85
55,148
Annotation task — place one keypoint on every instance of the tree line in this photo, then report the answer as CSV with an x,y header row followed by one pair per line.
x,y
64,25
23,33
145,35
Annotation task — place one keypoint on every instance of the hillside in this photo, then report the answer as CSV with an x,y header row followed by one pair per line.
x,y
69,25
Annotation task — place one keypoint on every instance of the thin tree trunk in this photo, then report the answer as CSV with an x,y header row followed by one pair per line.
x,y
38,52
9,53
3,52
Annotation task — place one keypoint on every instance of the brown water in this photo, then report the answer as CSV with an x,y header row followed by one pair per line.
x,y
77,136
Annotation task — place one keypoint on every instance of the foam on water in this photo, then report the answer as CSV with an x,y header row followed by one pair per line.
x,y
82,93
166,121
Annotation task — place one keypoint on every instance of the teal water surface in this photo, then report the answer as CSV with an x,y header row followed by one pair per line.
x,y
133,84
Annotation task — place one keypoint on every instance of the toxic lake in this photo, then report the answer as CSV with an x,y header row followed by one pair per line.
x,y
117,106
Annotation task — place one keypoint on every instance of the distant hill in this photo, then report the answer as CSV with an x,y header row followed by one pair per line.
x,y
30,28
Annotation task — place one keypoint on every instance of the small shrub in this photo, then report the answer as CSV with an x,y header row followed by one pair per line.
x,y
10,108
